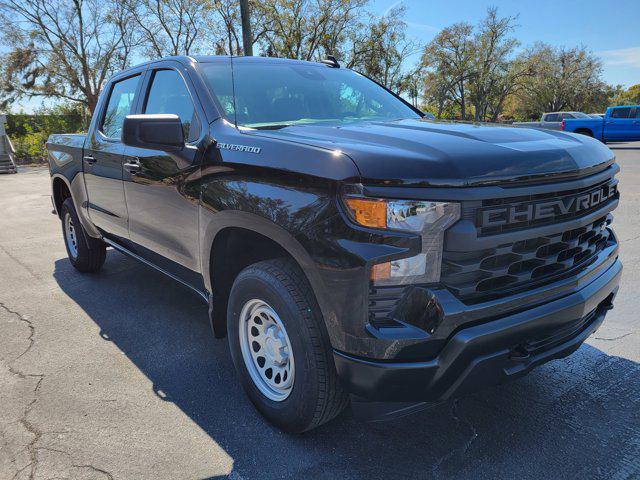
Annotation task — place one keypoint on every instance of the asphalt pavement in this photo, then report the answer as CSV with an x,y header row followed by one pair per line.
x,y
117,376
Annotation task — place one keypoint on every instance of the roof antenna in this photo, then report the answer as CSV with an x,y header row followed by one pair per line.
x,y
331,61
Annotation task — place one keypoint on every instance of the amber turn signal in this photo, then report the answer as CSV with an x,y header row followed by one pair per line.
x,y
381,271
368,212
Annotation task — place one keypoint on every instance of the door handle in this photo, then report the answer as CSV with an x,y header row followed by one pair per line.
x,y
132,165
89,159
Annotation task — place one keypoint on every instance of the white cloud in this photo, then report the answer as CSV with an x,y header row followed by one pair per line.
x,y
394,5
628,57
423,26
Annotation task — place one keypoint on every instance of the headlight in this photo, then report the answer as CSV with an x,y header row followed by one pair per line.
x,y
430,219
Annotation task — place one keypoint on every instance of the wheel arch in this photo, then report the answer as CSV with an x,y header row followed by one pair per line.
x,y
61,190
224,253
585,131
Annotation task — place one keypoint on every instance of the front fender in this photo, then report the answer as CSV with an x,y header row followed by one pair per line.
x,y
212,223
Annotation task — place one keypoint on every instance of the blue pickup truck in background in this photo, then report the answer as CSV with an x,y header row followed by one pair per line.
x,y
620,124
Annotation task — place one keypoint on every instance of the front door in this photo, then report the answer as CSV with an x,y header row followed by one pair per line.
x,y
635,124
619,126
162,189
102,161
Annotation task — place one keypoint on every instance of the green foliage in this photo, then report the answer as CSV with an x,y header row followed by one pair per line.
x,y
30,148
627,97
562,79
379,50
29,132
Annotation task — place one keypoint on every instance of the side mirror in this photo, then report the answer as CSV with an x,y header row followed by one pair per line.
x,y
155,132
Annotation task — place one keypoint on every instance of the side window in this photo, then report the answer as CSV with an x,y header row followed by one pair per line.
x,y
120,104
621,112
637,112
552,117
169,94
567,115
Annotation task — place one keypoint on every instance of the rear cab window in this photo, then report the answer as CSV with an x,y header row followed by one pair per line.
x,y
120,104
624,112
551,117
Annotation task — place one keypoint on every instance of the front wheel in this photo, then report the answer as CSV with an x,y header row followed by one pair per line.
x,y
86,254
280,347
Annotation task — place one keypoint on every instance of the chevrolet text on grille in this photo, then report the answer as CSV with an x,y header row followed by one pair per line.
x,y
526,212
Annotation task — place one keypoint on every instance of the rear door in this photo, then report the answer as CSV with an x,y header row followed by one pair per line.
x,y
161,189
102,158
619,125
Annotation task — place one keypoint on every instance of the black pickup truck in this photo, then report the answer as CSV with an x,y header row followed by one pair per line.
x,y
348,247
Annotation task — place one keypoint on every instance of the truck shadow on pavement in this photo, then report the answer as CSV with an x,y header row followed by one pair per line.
x,y
574,418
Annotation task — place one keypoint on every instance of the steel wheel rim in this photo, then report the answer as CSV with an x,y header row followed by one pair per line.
x,y
70,236
266,350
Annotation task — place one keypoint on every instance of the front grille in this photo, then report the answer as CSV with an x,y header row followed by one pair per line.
x,y
519,206
511,267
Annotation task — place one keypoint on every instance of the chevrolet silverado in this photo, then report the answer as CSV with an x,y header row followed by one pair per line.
x,y
350,249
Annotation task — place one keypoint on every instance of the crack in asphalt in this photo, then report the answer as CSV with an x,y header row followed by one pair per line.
x,y
636,237
36,433
19,262
32,331
31,428
614,338
456,417
95,469
467,444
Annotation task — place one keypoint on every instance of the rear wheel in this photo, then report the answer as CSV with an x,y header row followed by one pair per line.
x,y
86,254
280,347
586,132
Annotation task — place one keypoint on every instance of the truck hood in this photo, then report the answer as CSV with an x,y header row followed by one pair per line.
x,y
427,153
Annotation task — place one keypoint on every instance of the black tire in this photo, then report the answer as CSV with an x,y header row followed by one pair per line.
x,y
316,395
90,252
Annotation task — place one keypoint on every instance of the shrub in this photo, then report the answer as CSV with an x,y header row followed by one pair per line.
x,y
30,148
29,132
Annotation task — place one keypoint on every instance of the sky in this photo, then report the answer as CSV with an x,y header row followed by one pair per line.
x,y
609,28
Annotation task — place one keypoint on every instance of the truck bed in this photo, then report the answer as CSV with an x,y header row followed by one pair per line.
x,y
66,148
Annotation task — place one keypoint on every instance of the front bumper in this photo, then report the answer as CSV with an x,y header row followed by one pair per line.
x,y
489,353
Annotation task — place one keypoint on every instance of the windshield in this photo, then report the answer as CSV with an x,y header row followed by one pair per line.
x,y
274,95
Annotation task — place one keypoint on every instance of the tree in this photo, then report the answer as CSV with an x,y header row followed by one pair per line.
x,y
631,96
61,49
438,95
169,27
225,24
562,79
494,73
379,49
448,57
307,29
